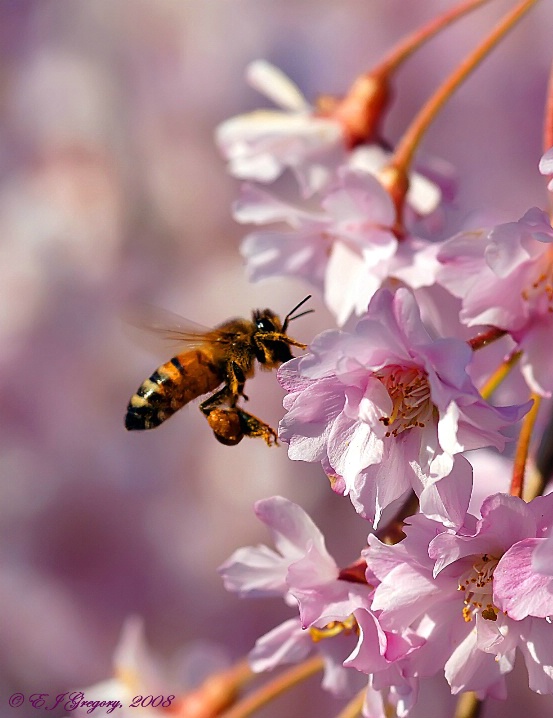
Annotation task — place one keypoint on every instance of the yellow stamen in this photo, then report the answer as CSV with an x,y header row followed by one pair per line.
x,y
477,583
409,391
334,628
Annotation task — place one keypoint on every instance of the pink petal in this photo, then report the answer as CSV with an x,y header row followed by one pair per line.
x,y
447,500
256,206
542,560
368,655
361,197
405,596
292,530
536,364
274,84
287,643
255,571
535,645
470,669
518,589
546,163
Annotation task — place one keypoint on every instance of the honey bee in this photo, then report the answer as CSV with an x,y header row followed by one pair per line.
x,y
223,355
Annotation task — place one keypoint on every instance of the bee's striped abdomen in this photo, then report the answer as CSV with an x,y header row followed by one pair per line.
x,y
169,388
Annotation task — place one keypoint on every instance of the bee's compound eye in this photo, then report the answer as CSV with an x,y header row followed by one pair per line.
x,y
226,426
265,325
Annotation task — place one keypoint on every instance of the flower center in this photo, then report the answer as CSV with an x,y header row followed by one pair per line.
x,y
334,628
477,583
409,391
539,294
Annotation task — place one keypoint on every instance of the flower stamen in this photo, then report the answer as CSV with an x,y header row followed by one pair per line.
x,y
409,390
477,583
334,628
540,289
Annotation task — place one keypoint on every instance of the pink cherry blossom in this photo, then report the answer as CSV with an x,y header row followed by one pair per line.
x,y
385,657
304,573
261,571
471,594
335,616
386,407
261,145
350,237
346,249
290,642
505,278
301,569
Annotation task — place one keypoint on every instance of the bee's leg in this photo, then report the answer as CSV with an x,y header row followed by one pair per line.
x,y
252,426
231,424
230,393
277,337
236,381
223,396
249,424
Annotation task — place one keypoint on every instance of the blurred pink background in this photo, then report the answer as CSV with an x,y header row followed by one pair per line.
x,y
112,192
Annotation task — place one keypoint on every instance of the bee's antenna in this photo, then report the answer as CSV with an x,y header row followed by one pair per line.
x,y
289,317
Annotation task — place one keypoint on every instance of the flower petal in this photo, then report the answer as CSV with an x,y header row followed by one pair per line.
x,y
518,589
274,84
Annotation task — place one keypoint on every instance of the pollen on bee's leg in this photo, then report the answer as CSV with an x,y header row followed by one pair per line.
x,y
226,426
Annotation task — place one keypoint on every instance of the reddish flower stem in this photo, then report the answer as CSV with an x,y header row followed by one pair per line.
x,y
482,340
355,572
407,46
548,121
517,483
275,687
406,148
468,706
548,129
215,694
363,106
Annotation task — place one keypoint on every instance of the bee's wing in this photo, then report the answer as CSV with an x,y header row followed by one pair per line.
x,y
162,330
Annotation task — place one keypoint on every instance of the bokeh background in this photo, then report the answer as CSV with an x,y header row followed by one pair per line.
x,y
112,193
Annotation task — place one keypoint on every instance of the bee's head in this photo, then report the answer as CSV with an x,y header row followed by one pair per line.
x,y
274,349
267,321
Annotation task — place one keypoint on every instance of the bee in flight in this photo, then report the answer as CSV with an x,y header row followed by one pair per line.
x,y
223,355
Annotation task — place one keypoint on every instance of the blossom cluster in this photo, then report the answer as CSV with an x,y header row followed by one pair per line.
x,y
390,402
432,319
